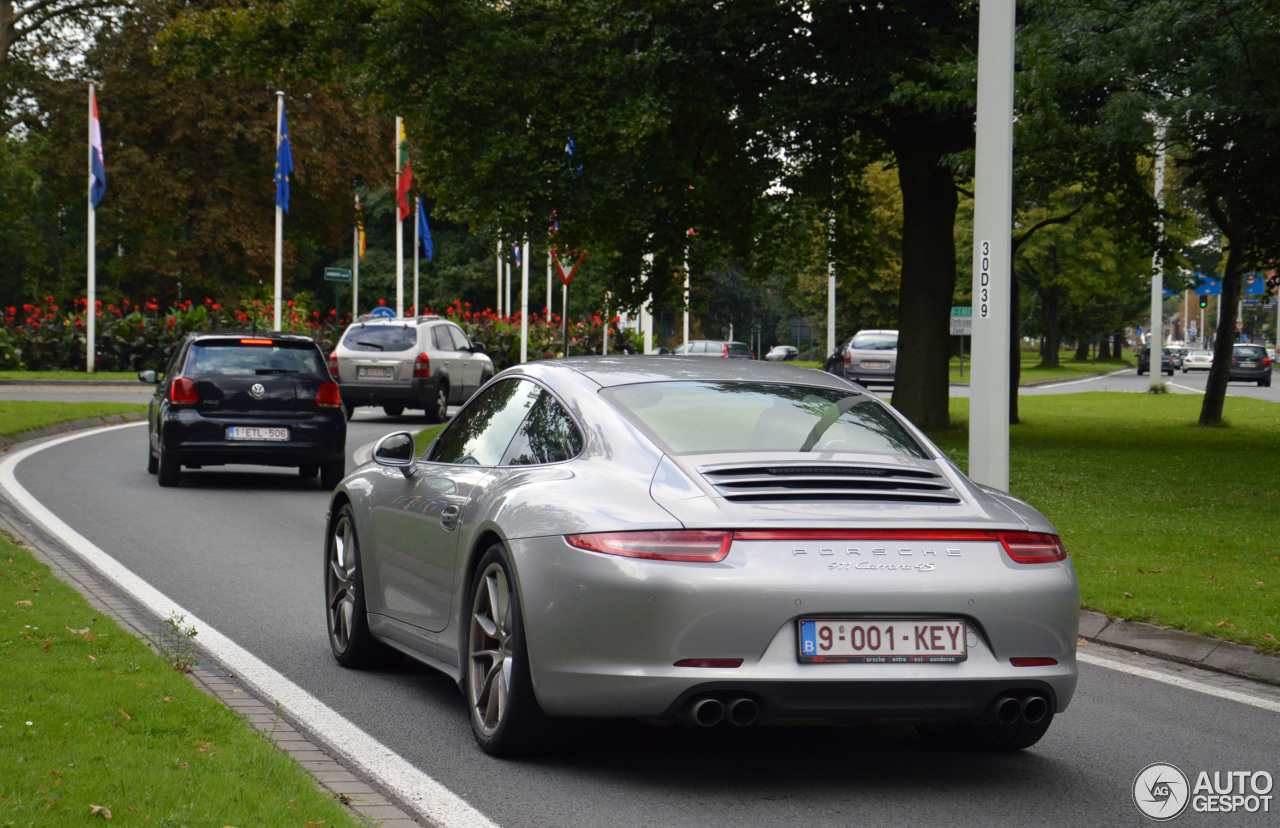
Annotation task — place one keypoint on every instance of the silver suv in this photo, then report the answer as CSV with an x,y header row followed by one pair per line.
x,y
423,362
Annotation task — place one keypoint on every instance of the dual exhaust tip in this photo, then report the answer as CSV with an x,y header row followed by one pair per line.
x,y
708,711
1007,710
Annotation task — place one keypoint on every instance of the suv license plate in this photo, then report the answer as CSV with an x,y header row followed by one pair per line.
x,y
274,435
363,372
883,641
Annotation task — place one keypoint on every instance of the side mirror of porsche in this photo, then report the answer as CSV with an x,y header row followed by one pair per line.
x,y
396,451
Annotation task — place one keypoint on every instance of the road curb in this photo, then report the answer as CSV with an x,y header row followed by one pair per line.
x,y
7,442
1178,645
75,382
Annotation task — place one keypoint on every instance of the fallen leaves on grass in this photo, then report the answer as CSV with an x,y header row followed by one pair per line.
x,y
1080,642
1227,625
98,810
127,717
1269,636
23,603
1150,571
1128,595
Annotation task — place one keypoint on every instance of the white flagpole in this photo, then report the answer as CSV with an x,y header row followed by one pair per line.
x,y
605,350
506,302
549,289
686,295
497,256
279,218
524,302
355,277
417,239
399,230
90,310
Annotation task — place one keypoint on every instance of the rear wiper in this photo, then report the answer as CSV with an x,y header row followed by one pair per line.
x,y
275,371
369,344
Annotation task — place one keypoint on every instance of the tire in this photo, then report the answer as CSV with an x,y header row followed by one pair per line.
x,y
1141,372
975,736
331,474
168,469
310,470
153,463
350,408
393,410
505,717
438,410
345,613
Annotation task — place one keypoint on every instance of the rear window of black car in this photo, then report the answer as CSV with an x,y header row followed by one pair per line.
x,y
697,417
250,358
381,338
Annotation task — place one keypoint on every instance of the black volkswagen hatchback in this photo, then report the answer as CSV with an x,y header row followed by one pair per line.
x,y
257,399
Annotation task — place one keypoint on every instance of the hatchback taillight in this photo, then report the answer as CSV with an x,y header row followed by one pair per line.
x,y
422,367
183,392
333,364
329,396
1266,361
848,357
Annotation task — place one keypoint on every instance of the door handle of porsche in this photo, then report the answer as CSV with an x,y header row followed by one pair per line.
x,y
449,517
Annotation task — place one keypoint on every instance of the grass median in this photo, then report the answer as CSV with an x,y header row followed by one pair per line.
x,y
1166,521
98,376
18,416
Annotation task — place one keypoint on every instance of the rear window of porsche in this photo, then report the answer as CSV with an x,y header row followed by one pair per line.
x,y
697,417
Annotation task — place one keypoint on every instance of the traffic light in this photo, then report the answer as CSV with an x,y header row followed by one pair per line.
x,y
1204,301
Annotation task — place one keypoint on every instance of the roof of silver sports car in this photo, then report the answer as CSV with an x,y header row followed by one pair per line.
x,y
626,370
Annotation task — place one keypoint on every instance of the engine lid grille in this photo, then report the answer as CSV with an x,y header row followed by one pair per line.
x,y
773,482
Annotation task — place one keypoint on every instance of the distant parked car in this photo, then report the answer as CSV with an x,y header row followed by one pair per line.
x,y
1166,361
1197,361
257,399
1176,354
423,362
782,353
715,348
1250,363
872,356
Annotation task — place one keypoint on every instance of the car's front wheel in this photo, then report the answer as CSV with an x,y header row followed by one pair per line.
x,y
349,637
505,716
438,409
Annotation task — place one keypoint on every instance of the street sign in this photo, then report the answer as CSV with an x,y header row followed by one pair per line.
x,y
382,312
1208,286
337,274
962,320
1239,325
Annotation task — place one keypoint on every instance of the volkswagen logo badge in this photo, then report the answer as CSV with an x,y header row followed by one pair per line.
x,y
258,390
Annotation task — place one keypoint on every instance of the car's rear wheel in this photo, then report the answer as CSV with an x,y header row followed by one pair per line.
x,y
438,410
168,468
331,474
153,464
350,409
393,410
310,470
349,637
985,736
505,717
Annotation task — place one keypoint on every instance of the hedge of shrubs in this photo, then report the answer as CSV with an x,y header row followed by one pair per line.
x,y
135,337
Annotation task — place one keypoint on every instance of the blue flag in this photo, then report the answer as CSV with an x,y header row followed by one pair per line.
x,y
284,164
424,232
98,187
515,251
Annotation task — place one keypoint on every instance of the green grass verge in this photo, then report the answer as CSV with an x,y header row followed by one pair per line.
x,y
68,375
17,416
1166,521
1032,370
91,718
423,438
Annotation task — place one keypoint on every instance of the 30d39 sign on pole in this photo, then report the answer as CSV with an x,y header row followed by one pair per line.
x,y
992,244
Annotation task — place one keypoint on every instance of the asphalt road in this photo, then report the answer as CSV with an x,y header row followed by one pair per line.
x,y
242,549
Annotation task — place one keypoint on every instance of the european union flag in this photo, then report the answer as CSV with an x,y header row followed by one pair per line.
x,y
284,164
424,232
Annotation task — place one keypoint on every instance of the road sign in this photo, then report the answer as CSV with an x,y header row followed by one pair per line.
x,y
1208,286
337,274
1239,325
382,312
962,320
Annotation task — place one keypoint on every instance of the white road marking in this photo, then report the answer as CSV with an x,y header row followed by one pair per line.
x,y
1270,705
422,794
1079,381
1186,388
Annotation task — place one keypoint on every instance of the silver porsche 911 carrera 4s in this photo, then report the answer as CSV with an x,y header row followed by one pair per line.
x,y
702,541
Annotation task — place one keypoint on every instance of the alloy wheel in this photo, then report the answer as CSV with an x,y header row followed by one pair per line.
x,y
341,583
489,656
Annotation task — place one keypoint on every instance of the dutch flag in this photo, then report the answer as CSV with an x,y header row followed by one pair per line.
x,y
98,176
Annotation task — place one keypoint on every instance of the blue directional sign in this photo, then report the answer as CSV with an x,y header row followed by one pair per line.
x,y
1255,284
382,312
1208,286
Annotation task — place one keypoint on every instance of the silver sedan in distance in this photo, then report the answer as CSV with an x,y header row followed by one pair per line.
x,y
704,542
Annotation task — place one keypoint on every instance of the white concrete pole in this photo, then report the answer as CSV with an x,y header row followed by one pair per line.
x,y
524,302
547,313
399,227
279,282
355,276
605,349
497,256
506,299
831,285
686,296
417,240
646,318
1155,339
992,246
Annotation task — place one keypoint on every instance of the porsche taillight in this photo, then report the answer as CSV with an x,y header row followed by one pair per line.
x,y
687,545
183,392
422,367
329,396
1032,547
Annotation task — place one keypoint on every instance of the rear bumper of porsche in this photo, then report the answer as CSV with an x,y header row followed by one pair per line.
x,y
605,633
